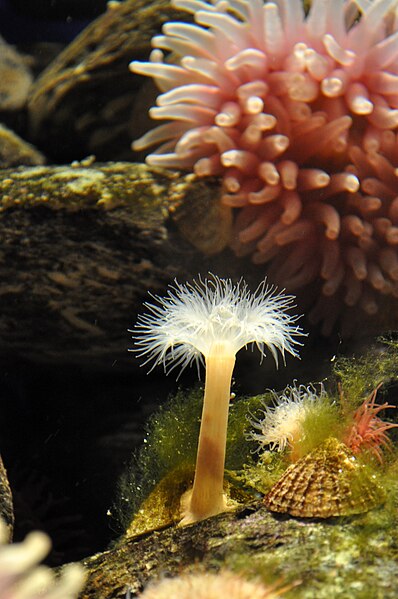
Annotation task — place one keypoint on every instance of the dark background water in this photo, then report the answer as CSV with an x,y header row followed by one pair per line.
x,y
46,20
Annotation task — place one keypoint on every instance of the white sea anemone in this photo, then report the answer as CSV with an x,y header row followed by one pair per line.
x,y
282,422
184,326
213,319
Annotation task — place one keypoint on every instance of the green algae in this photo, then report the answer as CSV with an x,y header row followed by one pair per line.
x,y
169,446
261,475
87,185
359,375
162,506
322,419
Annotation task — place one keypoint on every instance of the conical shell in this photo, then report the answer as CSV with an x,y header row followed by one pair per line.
x,y
329,481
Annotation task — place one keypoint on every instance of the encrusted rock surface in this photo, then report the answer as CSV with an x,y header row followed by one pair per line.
x,y
82,245
340,558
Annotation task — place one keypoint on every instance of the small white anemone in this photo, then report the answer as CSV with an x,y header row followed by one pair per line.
x,y
212,319
282,422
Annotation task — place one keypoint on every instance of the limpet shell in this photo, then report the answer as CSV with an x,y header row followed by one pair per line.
x,y
329,481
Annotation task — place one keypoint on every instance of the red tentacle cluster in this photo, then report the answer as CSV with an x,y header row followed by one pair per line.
x,y
368,431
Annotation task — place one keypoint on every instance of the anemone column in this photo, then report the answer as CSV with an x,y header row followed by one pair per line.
x,y
207,493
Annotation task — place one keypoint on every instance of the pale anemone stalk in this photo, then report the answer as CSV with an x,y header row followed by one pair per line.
x,y
212,319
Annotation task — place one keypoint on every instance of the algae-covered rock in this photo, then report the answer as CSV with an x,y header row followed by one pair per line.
x,y
352,557
83,243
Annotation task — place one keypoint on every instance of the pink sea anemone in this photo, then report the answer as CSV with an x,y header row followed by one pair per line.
x,y
367,431
298,114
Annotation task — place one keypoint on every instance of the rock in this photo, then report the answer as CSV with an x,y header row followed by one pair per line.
x,y
85,97
6,506
15,78
82,245
351,557
14,151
